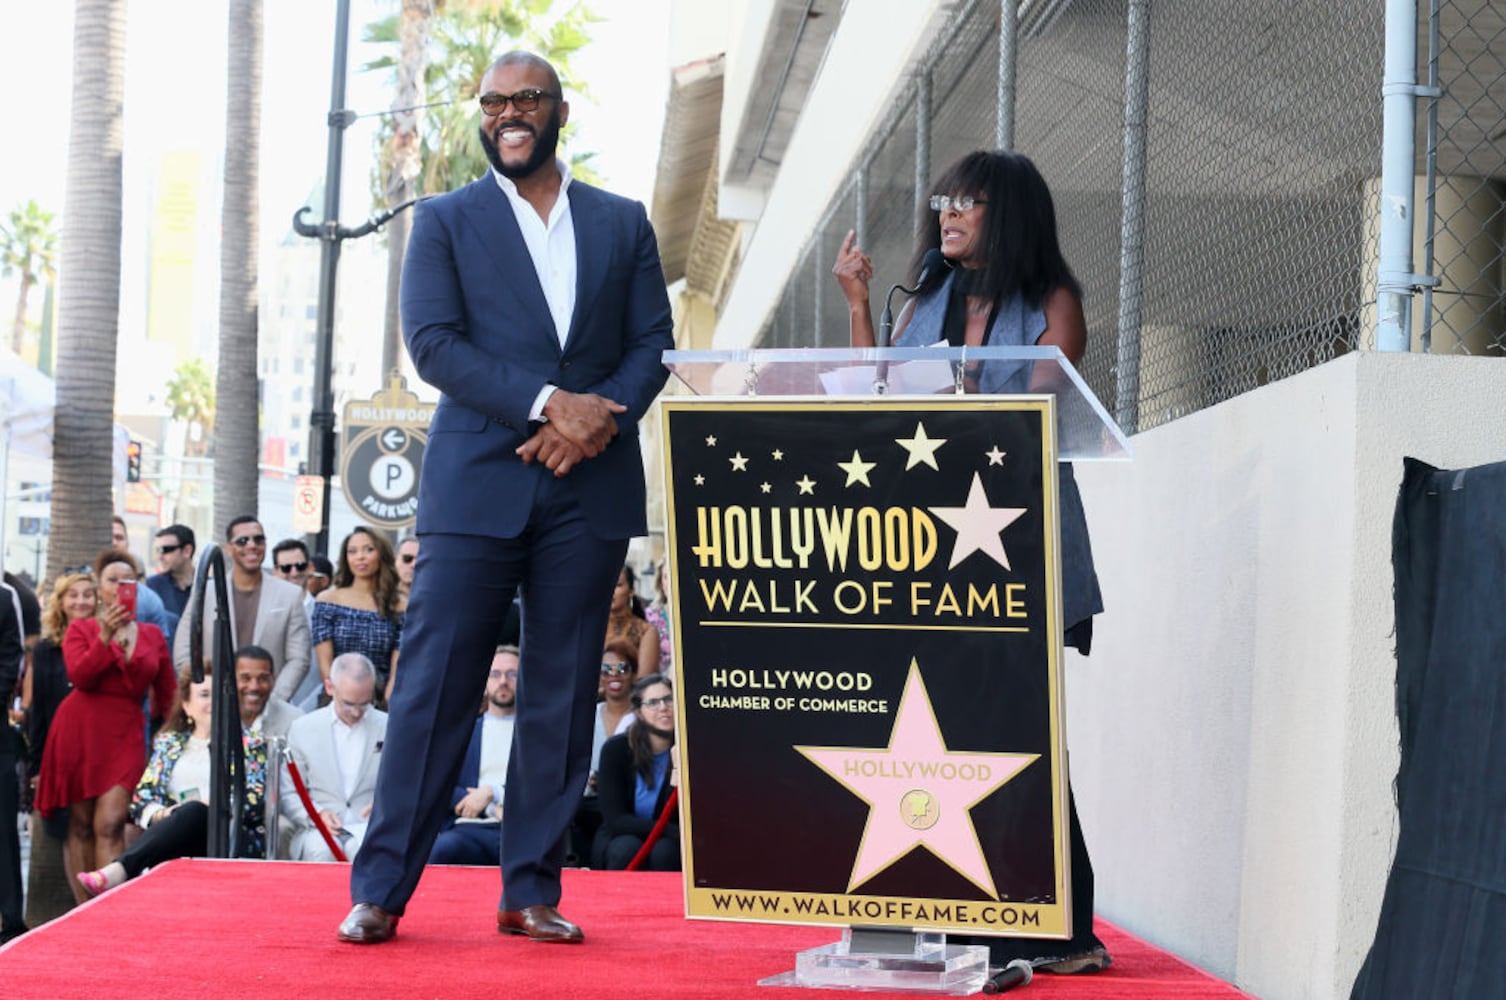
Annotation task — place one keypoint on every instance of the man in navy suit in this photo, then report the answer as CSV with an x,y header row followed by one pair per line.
x,y
537,305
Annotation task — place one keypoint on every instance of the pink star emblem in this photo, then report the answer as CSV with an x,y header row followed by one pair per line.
x,y
919,793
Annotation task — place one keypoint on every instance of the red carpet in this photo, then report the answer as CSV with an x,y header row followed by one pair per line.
x,y
233,929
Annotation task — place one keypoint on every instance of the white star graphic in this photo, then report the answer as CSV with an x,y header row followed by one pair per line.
x,y
995,457
807,485
778,455
765,487
921,448
857,469
739,463
711,440
700,480
978,525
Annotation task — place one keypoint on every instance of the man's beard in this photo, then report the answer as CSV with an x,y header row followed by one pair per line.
x,y
544,145
497,701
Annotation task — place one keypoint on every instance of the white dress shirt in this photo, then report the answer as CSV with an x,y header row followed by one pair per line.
x,y
551,245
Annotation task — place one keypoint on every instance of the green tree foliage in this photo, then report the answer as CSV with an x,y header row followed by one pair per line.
x,y
190,398
465,36
28,247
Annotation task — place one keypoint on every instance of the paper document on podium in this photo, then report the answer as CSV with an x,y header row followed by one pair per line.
x,y
908,378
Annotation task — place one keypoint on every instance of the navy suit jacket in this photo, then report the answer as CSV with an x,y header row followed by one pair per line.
x,y
478,328
470,773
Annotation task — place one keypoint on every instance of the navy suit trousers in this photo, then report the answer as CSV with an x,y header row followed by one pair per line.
x,y
462,587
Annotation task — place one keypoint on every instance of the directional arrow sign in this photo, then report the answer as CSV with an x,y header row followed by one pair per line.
x,y
393,439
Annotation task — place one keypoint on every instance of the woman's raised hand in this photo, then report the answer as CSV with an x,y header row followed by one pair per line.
x,y
853,270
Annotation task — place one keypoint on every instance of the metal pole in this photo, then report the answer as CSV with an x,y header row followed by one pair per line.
x,y
322,420
1430,211
1009,25
1394,279
922,142
860,207
1132,220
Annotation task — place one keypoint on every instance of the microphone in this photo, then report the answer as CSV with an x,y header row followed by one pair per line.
x,y
1016,973
932,260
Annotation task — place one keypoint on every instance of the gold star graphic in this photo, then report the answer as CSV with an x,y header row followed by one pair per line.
x,y
857,469
995,457
807,485
739,463
920,448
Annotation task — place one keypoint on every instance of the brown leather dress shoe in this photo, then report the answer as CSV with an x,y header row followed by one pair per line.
x,y
539,923
367,923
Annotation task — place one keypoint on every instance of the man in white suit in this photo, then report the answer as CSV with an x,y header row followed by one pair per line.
x,y
337,749
264,611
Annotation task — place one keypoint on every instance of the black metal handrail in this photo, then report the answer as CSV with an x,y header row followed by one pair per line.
x,y
227,778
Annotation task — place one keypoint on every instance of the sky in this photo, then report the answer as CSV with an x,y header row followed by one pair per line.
x,y
176,93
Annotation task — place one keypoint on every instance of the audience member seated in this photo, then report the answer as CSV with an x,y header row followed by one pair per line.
x,y
262,712
48,891
472,835
626,623
637,773
363,611
337,749
614,714
96,747
170,800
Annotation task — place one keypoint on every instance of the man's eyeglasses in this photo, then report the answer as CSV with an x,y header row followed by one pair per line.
x,y
353,706
664,701
510,676
407,557
522,101
615,668
244,540
942,202
297,567
167,550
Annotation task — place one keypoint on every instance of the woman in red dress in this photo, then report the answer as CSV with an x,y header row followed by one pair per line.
x,y
96,749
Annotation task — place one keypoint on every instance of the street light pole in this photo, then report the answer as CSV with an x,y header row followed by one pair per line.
x,y
322,420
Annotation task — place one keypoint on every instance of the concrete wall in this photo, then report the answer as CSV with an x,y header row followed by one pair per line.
x,y
1233,734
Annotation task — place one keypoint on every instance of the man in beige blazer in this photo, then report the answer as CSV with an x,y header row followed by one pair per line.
x,y
337,749
264,611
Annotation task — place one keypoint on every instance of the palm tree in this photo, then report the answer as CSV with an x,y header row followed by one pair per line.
x,y
444,48
191,399
89,288
237,437
28,246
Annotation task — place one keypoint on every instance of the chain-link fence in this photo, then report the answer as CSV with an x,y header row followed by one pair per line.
x,y
1257,190
1464,45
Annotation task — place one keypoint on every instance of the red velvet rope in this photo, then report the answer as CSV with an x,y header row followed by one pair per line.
x,y
653,835
308,805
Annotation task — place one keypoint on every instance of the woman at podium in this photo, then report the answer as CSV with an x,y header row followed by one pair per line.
x,y
991,273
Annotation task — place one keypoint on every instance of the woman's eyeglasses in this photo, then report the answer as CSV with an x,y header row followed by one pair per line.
x,y
664,701
942,202
616,668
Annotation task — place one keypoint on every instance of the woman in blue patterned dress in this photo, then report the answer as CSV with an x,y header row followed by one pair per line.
x,y
362,612
1005,284
169,802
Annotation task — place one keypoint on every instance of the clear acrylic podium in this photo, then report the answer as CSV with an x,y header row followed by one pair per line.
x,y
1085,431
917,959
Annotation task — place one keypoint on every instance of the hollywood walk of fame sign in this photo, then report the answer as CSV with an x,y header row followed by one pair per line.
x,y
868,658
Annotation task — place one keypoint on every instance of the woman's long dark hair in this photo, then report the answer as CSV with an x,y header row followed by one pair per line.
x,y
1021,253
637,734
635,603
384,591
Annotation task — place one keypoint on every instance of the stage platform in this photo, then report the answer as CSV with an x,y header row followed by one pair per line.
x,y
231,929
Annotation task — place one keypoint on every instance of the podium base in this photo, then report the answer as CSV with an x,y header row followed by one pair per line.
x,y
889,960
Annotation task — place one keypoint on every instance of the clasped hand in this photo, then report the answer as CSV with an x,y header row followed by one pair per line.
x,y
580,426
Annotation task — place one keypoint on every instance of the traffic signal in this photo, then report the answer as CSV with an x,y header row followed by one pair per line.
x,y
133,462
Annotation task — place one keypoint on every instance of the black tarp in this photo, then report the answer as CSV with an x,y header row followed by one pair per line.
x,y
1442,927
